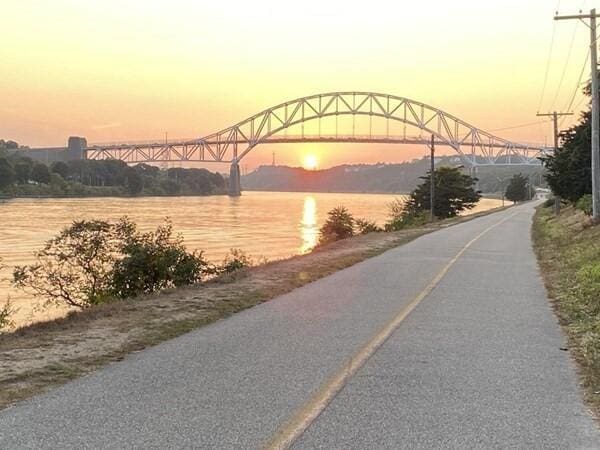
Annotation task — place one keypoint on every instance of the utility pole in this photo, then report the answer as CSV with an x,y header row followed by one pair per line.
x,y
595,107
555,115
432,180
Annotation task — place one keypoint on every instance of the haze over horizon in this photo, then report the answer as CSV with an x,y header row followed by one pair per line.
x,y
135,70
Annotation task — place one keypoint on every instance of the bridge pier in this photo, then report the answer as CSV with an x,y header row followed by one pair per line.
x,y
473,170
235,186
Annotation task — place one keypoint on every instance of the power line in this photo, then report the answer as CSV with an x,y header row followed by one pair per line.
x,y
564,71
577,86
520,126
548,60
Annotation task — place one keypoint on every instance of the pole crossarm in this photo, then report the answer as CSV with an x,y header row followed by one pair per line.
x,y
474,146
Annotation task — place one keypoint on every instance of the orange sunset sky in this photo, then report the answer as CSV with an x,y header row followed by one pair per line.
x,y
132,70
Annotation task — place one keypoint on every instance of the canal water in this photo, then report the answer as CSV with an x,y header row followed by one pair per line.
x,y
272,225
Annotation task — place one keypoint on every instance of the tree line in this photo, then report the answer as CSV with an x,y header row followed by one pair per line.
x,y
20,175
569,173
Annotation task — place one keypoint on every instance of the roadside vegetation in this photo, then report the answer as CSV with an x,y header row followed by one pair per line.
x,y
21,176
454,193
7,311
568,250
94,262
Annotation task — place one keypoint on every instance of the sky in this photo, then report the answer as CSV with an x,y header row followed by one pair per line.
x,y
132,70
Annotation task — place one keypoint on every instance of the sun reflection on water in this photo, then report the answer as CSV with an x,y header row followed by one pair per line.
x,y
308,226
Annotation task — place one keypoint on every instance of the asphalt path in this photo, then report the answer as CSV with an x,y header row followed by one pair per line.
x,y
446,342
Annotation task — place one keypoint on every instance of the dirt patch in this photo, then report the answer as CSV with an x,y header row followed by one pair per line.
x,y
42,355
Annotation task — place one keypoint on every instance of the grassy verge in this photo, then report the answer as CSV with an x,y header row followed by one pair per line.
x,y
568,250
46,354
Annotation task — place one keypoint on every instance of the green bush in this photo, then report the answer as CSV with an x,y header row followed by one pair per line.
x,y
549,203
401,218
6,312
235,260
585,204
153,261
339,225
364,226
93,262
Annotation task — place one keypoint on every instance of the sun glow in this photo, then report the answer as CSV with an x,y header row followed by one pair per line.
x,y
310,162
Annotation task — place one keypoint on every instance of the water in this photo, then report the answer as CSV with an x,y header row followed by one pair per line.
x,y
273,225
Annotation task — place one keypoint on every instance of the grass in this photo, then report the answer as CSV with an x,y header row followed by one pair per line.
x,y
568,250
46,354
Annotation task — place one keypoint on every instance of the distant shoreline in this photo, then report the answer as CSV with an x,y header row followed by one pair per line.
x,y
111,195
324,192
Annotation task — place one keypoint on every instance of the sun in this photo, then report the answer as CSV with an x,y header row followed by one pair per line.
x,y
310,162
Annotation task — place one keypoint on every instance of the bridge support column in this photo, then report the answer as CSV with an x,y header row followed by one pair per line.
x,y
235,186
473,170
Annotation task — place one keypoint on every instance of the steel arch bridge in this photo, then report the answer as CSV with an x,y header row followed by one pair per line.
x,y
474,146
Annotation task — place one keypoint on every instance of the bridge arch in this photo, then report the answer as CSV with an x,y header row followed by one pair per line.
x,y
473,145
467,140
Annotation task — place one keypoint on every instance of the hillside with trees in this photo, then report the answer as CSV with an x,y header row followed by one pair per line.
x,y
21,176
383,178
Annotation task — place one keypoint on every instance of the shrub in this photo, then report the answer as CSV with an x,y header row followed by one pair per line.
x,y
235,260
339,225
364,226
74,267
549,203
93,262
401,218
153,261
6,312
585,204
407,220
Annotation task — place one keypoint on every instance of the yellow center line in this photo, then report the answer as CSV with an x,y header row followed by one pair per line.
x,y
299,422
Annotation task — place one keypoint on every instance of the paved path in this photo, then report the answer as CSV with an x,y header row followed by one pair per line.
x,y
476,364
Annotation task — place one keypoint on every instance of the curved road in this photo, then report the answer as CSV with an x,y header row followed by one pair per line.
x,y
446,342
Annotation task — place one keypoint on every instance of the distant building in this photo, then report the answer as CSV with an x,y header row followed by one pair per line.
x,y
73,151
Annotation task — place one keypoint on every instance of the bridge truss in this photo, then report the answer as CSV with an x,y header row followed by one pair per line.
x,y
474,146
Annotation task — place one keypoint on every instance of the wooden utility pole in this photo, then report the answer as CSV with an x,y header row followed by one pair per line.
x,y
595,107
432,180
555,115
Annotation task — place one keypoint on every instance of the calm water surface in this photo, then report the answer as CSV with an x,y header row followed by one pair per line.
x,y
264,224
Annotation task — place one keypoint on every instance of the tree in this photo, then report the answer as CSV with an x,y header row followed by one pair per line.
x,y
339,225
40,173
7,174
518,188
453,193
60,168
73,268
23,168
133,181
569,172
